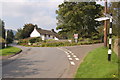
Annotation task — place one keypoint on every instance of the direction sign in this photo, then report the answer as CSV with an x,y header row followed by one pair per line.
x,y
102,18
76,36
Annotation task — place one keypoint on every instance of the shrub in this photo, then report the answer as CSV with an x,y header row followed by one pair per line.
x,y
2,43
56,44
31,40
34,40
23,41
80,39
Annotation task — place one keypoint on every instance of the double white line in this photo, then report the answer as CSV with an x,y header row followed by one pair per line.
x,y
70,55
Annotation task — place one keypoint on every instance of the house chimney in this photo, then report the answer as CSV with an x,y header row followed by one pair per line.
x,y
52,30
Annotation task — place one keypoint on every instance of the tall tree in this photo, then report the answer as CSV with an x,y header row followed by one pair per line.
x,y
2,29
25,32
28,28
19,34
115,10
10,36
78,18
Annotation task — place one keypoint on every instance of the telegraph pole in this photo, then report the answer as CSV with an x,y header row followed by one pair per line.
x,y
105,26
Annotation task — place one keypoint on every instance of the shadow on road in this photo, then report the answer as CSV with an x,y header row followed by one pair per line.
x,y
21,68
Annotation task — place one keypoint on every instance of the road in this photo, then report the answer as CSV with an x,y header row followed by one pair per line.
x,y
43,62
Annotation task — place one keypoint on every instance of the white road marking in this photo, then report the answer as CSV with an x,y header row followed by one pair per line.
x,y
70,58
77,59
72,63
72,53
66,52
74,56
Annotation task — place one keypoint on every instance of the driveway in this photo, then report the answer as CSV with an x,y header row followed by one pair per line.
x,y
43,62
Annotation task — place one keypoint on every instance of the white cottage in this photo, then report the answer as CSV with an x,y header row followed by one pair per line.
x,y
44,34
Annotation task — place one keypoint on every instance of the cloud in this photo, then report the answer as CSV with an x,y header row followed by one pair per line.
x,y
41,12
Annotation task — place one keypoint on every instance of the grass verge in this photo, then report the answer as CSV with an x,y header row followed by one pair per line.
x,y
9,51
96,65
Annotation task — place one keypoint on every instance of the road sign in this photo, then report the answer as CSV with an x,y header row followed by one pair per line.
x,y
102,19
76,36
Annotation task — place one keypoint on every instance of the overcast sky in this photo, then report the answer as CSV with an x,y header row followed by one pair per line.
x,y
16,13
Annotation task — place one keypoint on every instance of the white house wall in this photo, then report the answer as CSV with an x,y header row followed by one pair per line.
x,y
56,38
35,33
47,37
43,37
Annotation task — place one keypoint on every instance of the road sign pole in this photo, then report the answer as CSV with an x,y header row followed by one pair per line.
x,y
110,40
6,38
76,37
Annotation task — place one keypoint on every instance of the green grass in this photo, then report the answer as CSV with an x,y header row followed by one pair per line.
x,y
9,51
96,65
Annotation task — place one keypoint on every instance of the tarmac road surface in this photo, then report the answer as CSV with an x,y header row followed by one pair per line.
x,y
46,62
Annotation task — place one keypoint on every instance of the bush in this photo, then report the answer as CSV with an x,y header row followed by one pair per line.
x,y
2,43
23,41
80,39
29,40
56,44
34,40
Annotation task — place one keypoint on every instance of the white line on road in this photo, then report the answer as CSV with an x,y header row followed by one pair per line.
x,y
69,51
70,58
66,52
77,59
74,56
72,53
72,63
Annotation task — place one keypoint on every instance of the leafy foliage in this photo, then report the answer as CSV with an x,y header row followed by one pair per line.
x,y
33,40
2,29
30,40
10,36
78,18
115,10
19,34
25,32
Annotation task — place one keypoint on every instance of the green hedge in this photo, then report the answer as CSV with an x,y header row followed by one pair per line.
x,y
29,40
58,44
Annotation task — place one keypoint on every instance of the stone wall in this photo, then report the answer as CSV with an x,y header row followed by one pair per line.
x,y
116,46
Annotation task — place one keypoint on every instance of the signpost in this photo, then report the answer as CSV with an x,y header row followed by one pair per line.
x,y
108,17
6,38
76,37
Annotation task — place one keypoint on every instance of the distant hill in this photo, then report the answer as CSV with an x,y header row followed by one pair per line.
x,y
12,30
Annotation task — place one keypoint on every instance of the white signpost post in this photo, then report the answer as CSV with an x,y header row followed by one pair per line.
x,y
108,17
76,37
6,38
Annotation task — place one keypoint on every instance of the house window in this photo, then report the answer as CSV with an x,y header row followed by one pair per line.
x,y
48,35
45,35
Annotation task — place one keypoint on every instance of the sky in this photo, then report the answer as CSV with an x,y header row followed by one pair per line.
x,y
16,13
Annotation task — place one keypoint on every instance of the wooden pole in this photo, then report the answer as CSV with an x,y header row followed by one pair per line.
x,y
105,26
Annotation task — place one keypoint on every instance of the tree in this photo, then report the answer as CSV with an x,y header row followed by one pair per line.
x,y
19,34
2,29
25,32
78,18
115,10
28,28
10,36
